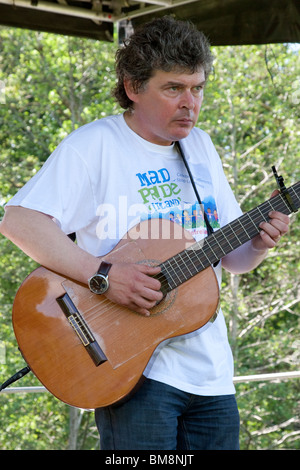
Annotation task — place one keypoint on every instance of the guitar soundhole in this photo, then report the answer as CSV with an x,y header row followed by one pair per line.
x,y
165,303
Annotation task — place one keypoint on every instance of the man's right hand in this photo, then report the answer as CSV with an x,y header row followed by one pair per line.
x,y
132,286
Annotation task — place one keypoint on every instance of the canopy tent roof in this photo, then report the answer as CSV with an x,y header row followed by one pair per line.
x,y
225,22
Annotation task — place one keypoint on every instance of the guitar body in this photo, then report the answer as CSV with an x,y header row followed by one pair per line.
x,y
55,353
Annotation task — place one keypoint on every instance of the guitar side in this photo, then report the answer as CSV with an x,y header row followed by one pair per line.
x,y
55,353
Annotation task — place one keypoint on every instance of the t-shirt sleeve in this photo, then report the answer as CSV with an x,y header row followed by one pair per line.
x,y
61,189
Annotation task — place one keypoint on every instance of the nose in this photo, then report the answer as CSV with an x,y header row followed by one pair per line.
x,y
188,100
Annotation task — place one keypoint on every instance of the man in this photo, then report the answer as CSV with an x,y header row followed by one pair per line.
x,y
110,174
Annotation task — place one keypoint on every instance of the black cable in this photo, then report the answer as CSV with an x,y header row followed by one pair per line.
x,y
15,377
209,227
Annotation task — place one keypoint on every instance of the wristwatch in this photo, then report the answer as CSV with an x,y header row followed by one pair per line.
x,y
98,283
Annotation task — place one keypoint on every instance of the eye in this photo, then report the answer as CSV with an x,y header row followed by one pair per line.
x,y
198,89
172,90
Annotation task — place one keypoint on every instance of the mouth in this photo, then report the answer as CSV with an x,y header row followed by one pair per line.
x,y
185,118
185,121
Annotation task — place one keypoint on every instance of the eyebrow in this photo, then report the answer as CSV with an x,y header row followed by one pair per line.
x,y
179,83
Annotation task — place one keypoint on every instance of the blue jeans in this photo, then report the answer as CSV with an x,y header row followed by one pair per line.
x,y
160,417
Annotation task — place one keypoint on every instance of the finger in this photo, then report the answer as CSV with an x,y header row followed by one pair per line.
x,y
150,270
270,230
269,241
142,306
275,192
144,297
273,231
142,311
147,280
271,234
280,221
151,295
277,225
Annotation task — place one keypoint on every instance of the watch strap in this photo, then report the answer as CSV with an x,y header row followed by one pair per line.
x,y
104,268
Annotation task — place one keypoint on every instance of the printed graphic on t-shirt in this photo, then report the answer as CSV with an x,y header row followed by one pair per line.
x,y
166,197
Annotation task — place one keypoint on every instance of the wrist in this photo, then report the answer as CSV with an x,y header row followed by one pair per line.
x,y
99,283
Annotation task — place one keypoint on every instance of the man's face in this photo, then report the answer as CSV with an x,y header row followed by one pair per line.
x,y
168,108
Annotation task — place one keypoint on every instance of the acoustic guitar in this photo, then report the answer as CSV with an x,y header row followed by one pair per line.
x,y
89,352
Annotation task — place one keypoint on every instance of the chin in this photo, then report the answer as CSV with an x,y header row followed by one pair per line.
x,y
182,134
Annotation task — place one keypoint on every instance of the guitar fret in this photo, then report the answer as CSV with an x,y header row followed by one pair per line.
x,y
224,253
176,268
227,240
176,276
285,203
194,266
200,254
235,237
207,246
208,261
195,263
296,195
262,215
254,225
249,238
223,242
184,265
172,283
191,267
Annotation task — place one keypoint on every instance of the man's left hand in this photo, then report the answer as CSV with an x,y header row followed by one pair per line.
x,y
271,231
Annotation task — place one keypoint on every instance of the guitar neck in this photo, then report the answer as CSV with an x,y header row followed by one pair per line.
x,y
186,264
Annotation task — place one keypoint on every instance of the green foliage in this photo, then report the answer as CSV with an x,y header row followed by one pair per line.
x,y
54,84
270,415
251,112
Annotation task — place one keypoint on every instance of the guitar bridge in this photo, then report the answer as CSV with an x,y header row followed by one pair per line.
x,y
82,330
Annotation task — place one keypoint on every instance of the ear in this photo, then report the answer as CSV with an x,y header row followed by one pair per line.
x,y
130,90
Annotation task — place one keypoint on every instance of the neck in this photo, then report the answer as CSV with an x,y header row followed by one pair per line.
x,y
134,123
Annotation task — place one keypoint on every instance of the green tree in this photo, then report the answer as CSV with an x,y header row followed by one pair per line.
x,y
252,115
53,85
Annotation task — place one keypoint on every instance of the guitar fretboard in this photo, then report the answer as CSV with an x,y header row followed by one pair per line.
x,y
186,264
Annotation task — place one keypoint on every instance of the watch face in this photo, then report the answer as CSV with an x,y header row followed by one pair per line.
x,y
98,284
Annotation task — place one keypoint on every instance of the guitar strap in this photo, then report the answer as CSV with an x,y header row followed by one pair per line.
x,y
209,227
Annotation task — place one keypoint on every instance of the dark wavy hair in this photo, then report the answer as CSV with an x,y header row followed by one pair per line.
x,y
162,44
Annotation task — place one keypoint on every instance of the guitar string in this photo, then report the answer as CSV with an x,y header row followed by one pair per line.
x,y
107,306
214,245
278,201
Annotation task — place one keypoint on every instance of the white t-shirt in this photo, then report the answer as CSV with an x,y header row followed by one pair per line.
x,y
103,179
